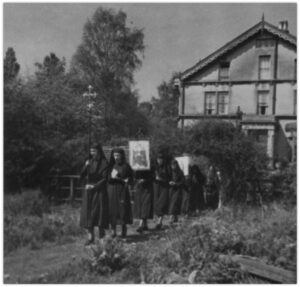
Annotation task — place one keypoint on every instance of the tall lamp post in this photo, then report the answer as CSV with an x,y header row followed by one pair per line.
x,y
90,96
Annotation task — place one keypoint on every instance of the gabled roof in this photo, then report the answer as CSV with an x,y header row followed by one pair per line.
x,y
262,25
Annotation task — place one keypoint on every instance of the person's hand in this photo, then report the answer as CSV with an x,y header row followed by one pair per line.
x,y
172,183
89,186
87,163
126,180
114,173
141,180
158,177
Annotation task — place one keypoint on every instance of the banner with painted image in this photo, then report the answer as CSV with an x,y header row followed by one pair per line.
x,y
139,155
184,162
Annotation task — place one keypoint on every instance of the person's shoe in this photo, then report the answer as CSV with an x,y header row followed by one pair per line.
x,y
140,229
101,233
158,226
124,231
89,242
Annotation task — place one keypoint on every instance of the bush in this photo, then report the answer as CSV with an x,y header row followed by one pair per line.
x,y
108,256
30,220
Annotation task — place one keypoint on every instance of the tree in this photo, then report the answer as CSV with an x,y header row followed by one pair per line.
x,y
19,116
11,66
62,117
165,107
52,67
109,54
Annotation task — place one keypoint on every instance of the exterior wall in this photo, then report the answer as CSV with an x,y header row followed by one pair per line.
x,y
244,97
285,99
286,61
194,100
244,64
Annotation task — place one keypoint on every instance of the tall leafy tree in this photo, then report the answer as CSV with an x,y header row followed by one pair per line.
x,y
11,66
109,54
165,106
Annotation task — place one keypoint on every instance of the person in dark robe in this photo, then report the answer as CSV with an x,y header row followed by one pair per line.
x,y
94,210
176,183
119,177
161,188
193,194
143,199
212,187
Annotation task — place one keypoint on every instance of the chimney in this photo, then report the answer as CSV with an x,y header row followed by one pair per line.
x,y
284,26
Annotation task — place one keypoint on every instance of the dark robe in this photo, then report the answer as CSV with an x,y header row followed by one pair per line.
x,y
212,190
94,210
193,194
161,190
118,195
143,198
175,192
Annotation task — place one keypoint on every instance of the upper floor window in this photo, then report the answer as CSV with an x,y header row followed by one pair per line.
x,y
224,71
262,102
264,67
210,103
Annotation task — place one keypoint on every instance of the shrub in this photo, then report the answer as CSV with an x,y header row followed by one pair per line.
x,y
30,220
108,256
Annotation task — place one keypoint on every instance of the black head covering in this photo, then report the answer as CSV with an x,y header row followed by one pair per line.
x,y
121,152
100,151
174,161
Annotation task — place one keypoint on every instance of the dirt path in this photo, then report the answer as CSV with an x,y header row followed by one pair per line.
x,y
23,264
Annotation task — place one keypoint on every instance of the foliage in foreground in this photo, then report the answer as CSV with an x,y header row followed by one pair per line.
x,y
197,248
30,220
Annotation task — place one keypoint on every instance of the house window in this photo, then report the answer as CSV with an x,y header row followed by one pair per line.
x,y
263,99
264,67
223,102
210,103
224,71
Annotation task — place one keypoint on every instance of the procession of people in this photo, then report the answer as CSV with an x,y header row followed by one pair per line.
x,y
160,190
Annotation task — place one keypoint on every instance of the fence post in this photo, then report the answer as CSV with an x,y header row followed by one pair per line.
x,y
71,188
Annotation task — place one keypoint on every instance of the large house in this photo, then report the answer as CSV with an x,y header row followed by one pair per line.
x,y
251,80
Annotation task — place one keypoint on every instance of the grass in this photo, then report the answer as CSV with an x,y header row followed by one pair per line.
x,y
30,220
193,248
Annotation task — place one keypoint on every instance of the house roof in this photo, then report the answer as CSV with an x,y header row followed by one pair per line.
x,y
261,26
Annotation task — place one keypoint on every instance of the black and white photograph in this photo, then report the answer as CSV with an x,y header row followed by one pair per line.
x,y
149,143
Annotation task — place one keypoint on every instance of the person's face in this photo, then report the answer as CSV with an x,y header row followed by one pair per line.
x,y
173,166
160,161
93,152
117,157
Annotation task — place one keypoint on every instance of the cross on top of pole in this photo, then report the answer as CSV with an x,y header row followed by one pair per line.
x,y
90,96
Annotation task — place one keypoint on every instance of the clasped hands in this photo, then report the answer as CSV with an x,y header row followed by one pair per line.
x,y
89,186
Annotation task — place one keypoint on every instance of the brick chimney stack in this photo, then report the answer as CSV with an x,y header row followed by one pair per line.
x,y
284,26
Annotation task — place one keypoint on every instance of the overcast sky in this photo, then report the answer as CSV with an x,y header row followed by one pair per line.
x,y
177,35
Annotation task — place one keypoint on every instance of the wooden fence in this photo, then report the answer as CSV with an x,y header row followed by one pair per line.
x,y
69,188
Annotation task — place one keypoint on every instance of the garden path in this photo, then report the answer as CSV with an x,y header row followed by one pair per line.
x,y
24,263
